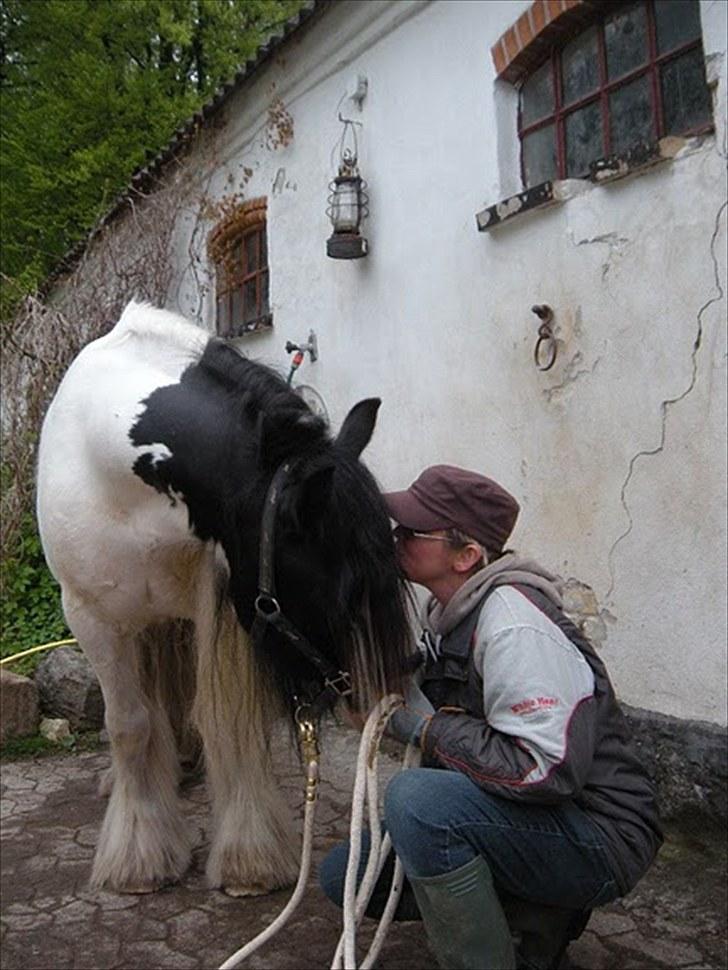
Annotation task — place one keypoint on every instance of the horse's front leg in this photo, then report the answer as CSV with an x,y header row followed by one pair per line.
x,y
253,849
144,841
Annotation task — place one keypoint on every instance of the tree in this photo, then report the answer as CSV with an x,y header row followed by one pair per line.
x,y
90,90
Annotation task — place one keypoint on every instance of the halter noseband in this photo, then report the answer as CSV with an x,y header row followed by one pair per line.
x,y
337,683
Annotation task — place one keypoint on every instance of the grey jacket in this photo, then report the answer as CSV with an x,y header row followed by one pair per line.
x,y
524,707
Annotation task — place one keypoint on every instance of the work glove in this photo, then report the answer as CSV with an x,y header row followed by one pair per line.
x,y
408,722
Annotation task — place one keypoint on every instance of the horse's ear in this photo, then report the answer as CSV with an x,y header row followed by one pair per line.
x,y
358,427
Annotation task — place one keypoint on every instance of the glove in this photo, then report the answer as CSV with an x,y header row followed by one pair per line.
x,y
407,723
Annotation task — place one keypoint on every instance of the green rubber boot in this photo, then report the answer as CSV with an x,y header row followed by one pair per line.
x,y
464,920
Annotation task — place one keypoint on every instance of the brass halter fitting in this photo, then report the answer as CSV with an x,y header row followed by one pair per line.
x,y
308,740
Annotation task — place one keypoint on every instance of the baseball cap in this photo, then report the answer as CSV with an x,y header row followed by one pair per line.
x,y
447,497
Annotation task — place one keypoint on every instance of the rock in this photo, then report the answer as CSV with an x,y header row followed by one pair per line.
x,y
68,688
18,705
55,728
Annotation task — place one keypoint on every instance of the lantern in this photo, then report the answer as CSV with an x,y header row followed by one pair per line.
x,y
347,207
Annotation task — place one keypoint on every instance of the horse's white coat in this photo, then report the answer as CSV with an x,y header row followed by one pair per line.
x,y
126,559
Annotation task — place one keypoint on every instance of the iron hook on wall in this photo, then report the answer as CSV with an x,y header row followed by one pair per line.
x,y
544,353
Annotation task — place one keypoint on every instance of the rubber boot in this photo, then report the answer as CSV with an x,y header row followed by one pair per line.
x,y
541,934
464,920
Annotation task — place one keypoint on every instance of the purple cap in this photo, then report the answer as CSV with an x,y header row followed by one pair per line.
x,y
446,497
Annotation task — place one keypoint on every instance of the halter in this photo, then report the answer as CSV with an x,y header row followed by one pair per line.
x,y
337,683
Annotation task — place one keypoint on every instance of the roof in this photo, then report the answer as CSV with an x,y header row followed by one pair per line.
x,y
146,175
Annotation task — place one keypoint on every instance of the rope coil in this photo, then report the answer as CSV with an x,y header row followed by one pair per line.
x,y
365,789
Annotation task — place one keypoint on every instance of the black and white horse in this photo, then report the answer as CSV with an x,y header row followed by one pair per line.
x,y
158,456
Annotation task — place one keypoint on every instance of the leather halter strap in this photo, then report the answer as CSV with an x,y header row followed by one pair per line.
x,y
337,683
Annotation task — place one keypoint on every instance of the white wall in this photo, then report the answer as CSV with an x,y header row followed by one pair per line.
x,y
618,453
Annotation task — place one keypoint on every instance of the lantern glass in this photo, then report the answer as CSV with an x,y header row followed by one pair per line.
x,y
345,208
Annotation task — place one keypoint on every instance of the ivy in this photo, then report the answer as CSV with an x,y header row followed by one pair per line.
x,y
30,605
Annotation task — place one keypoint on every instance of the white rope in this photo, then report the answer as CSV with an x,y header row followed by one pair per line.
x,y
285,914
366,786
355,903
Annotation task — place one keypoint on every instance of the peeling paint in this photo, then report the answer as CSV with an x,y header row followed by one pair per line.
x,y
510,207
617,246
582,607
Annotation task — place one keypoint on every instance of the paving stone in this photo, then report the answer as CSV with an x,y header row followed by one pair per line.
x,y
150,956
589,953
30,922
76,911
607,923
674,918
40,864
669,952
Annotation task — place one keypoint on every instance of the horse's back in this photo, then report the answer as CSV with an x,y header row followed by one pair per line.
x,y
97,519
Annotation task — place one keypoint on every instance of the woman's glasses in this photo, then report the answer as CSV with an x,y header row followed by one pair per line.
x,y
402,532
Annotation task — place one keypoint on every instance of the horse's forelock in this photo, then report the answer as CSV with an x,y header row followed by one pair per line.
x,y
371,594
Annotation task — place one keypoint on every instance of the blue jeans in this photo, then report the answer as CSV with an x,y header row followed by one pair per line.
x,y
439,820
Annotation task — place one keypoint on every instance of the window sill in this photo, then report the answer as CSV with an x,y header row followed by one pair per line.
x,y
245,329
553,192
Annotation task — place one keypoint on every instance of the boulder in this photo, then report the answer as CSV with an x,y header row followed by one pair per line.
x,y
18,705
68,688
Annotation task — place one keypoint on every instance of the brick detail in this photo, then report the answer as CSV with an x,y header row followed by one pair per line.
x,y
521,48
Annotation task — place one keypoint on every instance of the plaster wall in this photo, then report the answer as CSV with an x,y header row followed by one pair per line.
x,y
618,453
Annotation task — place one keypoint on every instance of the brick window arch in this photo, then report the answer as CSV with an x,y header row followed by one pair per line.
x,y
238,248
599,79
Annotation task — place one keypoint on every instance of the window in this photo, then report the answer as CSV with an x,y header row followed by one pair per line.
x,y
630,79
238,247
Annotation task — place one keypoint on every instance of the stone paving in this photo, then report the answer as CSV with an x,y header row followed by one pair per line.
x,y
51,816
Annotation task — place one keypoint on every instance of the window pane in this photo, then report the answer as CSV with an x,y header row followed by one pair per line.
x,y
580,66
631,119
537,95
223,323
235,267
677,21
237,308
685,95
584,142
539,156
251,252
263,248
625,35
264,301
251,303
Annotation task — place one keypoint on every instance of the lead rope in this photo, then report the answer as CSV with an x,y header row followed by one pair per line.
x,y
365,785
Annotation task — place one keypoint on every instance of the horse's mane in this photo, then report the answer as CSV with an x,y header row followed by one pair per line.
x,y
262,396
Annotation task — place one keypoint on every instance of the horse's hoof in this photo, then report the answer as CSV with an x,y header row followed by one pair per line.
x,y
253,889
144,888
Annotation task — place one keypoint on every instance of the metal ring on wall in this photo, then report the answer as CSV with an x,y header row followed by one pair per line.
x,y
544,338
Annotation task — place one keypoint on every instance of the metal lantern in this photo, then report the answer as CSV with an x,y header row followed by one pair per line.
x,y
347,206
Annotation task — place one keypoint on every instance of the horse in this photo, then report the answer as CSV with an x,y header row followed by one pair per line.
x,y
223,559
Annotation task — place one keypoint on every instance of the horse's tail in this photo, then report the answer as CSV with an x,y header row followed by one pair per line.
x,y
234,709
167,666
235,703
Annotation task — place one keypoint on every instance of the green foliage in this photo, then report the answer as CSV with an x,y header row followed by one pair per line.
x,y
36,746
30,606
90,90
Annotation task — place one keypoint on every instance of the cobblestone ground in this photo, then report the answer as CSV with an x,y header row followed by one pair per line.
x,y
51,816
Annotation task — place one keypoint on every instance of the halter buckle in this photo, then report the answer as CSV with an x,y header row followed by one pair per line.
x,y
340,684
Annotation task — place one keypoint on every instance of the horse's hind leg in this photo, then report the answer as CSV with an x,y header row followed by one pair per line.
x,y
143,842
